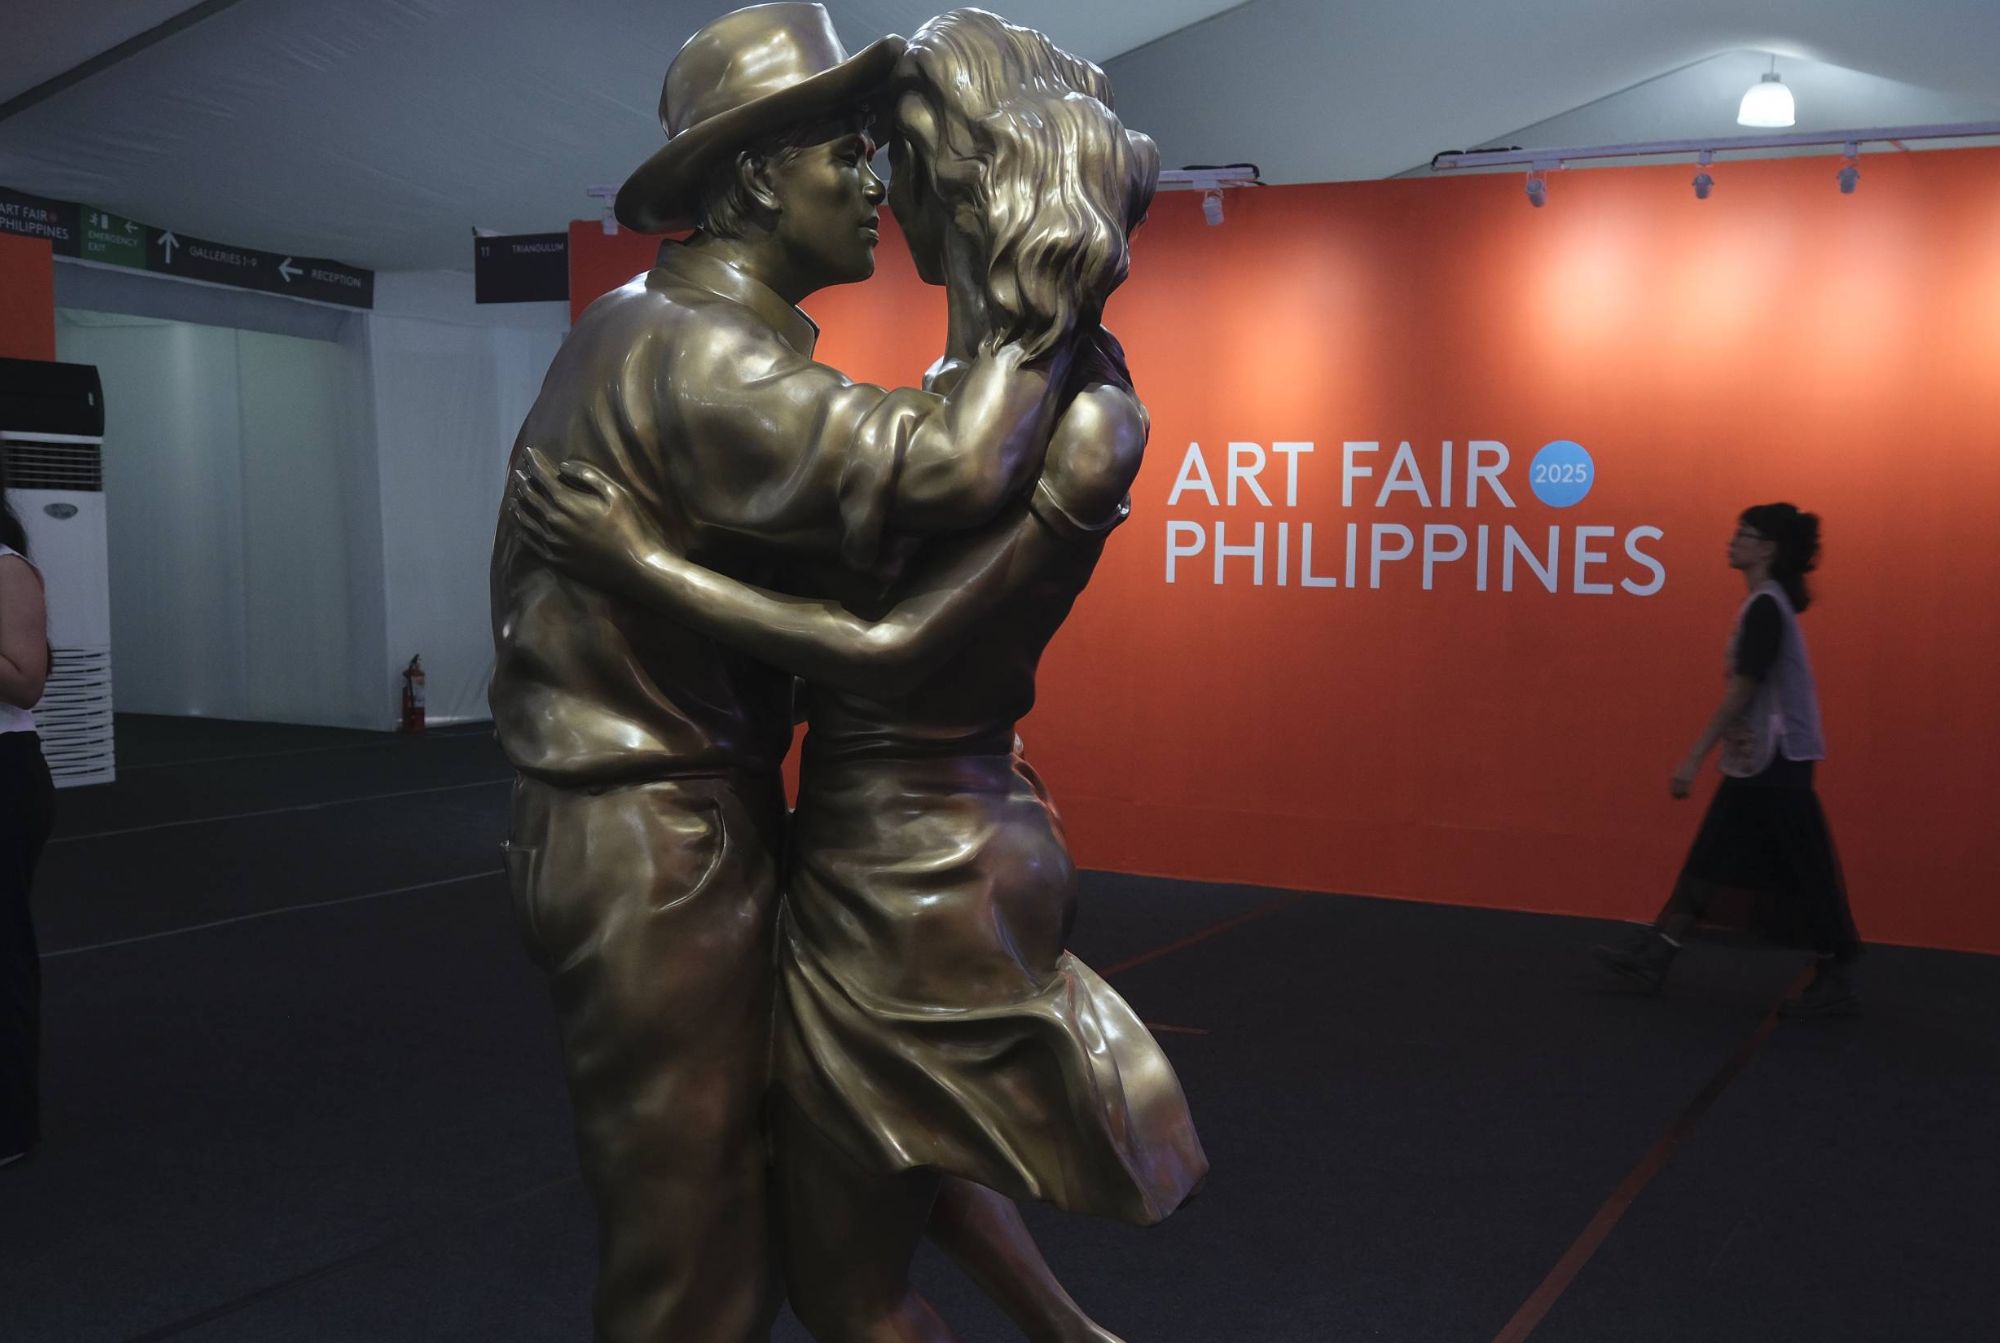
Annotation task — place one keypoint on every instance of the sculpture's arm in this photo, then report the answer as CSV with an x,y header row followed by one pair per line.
x,y
981,447
779,448
589,526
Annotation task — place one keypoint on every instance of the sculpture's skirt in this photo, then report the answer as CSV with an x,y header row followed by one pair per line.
x,y
929,1016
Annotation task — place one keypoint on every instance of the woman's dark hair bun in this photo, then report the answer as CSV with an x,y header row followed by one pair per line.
x,y
1804,541
1797,536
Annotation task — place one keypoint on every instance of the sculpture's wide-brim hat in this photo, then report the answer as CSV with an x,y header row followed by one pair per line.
x,y
746,75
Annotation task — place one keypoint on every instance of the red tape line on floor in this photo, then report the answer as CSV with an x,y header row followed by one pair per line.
x,y
1536,1308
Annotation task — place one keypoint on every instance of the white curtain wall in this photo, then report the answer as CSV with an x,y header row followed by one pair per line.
x,y
241,541
448,400
301,498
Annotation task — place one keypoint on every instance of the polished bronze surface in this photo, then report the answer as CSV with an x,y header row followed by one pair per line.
x,y
748,74
725,513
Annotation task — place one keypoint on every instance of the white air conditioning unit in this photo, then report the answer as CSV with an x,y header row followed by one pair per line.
x,y
52,431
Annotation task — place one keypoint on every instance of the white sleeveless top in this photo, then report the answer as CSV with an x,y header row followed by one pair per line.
x,y
11,718
1782,718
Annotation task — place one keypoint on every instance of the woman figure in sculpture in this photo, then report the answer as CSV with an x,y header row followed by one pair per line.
x,y
1763,861
938,1051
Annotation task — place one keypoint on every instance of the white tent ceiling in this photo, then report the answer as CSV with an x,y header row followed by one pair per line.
x,y
382,132
1315,90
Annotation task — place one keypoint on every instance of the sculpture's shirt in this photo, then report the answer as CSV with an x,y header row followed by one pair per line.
x,y
694,387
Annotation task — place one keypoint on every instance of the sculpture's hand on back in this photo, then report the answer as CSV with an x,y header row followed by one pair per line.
x,y
582,522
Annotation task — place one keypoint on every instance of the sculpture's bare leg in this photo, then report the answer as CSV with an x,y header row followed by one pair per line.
x,y
848,1238
984,1233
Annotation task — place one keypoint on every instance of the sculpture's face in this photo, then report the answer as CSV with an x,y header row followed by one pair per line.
x,y
830,203
912,190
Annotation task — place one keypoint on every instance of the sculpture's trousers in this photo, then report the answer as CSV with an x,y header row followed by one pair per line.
x,y
651,908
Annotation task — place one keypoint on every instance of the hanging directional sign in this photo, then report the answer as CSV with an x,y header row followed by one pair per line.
x,y
113,240
521,268
190,258
90,234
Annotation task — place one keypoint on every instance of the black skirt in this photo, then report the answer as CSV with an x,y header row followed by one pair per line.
x,y
1763,866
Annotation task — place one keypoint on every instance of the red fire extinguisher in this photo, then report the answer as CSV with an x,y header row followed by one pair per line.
x,y
413,696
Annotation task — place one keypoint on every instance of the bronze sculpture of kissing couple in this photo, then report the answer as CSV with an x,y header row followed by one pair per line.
x,y
798,1042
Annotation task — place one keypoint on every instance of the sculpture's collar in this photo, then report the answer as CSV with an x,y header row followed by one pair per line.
x,y
739,286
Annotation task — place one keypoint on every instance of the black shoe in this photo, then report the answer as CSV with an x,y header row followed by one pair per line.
x,y
1641,959
1830,994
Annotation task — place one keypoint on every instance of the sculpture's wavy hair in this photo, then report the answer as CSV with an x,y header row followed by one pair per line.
x,y
1023,147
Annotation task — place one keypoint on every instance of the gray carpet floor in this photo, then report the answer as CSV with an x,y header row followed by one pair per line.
x,y
301,1087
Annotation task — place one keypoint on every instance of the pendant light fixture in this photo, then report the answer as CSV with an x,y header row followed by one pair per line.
x,y
1767,102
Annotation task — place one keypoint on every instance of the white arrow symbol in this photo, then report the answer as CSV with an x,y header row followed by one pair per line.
x,y
167,244
131,227
287,269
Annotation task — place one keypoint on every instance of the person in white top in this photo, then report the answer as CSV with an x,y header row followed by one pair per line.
x,y
26,812
1763,862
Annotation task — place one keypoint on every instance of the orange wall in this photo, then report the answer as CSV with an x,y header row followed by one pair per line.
x,y
600,262
1779,340
27,298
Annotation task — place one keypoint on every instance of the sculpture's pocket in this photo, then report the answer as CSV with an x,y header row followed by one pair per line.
x,y
523,863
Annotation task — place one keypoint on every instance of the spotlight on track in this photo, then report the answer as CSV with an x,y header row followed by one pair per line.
x,y
1703,183
1537,188
1849,176
1212,180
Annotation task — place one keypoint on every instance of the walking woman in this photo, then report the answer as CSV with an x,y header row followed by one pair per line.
x,y
1763,861
26,811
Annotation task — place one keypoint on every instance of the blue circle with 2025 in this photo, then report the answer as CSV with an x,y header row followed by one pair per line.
x,y
1562,473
